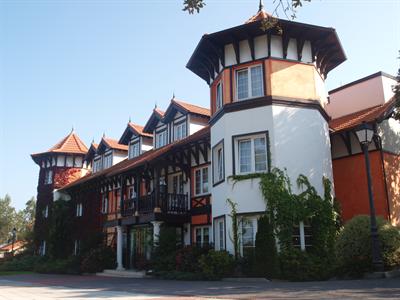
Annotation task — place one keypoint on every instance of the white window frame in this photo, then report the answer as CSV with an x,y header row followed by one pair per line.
x,y
180,131
108,160
134,149
219,235
79,209
42,248
161,138
48,176
202,228
219,98
46,212
251,138
253,221
180,184
104,203
218,164
249,87
97,164
77,247
302,236
200,170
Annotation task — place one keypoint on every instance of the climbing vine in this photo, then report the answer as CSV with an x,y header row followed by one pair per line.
x,y
235,227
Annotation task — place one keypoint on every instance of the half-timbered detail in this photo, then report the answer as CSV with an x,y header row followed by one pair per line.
x,y
268,108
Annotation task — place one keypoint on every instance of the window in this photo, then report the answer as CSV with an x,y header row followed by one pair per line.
x,y
219,228
177,184
45,212
77,247
79,209
251,153
104,203
218,163
249,83
108,161
180,131
219,99
134,150
97,164
302,235
48,177
201,181
42,248
202,236
248,234
161,139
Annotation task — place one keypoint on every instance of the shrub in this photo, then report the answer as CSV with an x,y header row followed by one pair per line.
x,y
22,263
163,258
298,265
187,258
216,264
96,260
353,246
69,265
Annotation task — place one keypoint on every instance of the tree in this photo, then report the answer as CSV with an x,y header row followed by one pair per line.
x,y
396,90
7,218
285,6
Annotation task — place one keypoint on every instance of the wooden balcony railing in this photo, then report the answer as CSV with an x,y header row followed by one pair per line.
x,y
169,203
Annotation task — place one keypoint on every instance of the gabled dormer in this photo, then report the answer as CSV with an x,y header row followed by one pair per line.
x,y
88,159
157,128
180,120
108,153
136,139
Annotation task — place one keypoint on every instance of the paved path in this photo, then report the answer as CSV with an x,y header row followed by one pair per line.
x,y
39,286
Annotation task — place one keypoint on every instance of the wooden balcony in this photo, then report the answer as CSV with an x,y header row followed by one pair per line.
x,y
167,204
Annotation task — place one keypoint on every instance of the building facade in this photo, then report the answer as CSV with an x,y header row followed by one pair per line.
x,y
268,108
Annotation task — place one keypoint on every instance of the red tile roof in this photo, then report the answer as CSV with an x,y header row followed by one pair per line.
x,y
367,115
113,144
139,129
159,111
9,247
192,108
70,144
129,164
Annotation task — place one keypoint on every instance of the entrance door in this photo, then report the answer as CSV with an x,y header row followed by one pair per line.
x,y
140,246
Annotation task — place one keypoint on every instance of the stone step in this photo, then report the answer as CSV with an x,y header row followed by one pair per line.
x,y
123,273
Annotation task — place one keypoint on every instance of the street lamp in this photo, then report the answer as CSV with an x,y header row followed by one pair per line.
x,y
14,235
365,134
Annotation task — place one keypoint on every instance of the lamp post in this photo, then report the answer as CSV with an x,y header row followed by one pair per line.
x,y
365,134
14,235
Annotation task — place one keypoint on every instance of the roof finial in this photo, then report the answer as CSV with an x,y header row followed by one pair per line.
x,y
261,6
173,95
92,140
130,119
155,105
104,134
72,129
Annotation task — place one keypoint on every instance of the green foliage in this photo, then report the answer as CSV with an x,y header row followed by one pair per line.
x,y
353,246
216,264
235,228
98,259
60,241
164,252
396,90
22,263
187,258
70,265
297,265
266,256
7,219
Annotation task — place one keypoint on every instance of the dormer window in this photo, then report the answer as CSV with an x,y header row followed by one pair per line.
x,y
249,83
179,131
161,139
134,150
107,161
97,164
48,177
219,95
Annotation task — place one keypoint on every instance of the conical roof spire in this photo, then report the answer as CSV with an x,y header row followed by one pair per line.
x,y
261,6
260,15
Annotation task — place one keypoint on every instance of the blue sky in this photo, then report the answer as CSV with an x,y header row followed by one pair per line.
x,y
93,64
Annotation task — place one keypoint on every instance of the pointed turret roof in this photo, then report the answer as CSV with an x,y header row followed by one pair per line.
x,y
70,144
260,15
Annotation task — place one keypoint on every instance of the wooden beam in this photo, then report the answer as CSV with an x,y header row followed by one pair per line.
x,y
269,43
250,40
300,45
285,44
237,50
